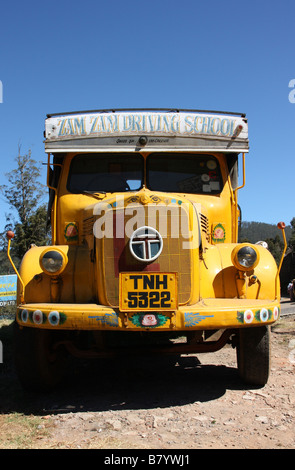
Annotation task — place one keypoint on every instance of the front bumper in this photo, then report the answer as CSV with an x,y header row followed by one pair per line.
x,y
206,314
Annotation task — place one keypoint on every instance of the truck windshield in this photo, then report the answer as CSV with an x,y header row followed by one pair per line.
x,y
105,172
114,172
188,173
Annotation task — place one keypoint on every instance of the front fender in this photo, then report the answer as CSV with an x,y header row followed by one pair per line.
x,y
75,284
218,275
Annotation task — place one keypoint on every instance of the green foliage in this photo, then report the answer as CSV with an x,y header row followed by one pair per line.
x,y
33,231
275,246
292,237
23,193
5,265
258,231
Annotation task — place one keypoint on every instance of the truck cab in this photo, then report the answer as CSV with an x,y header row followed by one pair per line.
x,y
145,259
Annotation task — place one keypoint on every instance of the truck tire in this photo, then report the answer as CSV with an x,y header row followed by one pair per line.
x,y
253,355
39,367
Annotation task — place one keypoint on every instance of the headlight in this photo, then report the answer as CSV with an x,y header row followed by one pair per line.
x,y
53,261
245,257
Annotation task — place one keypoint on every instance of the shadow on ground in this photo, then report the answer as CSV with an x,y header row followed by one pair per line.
x,y
122,383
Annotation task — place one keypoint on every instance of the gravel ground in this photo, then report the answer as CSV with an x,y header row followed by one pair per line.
x,y
197,403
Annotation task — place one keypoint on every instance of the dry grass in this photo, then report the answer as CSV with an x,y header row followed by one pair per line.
x,y
18,431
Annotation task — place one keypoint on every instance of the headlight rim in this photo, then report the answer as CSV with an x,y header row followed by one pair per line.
x,y
235,261
64,261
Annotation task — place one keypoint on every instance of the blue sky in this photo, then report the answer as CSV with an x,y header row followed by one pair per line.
x,y
219,55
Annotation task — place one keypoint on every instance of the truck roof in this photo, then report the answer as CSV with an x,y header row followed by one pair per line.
x,y
149,129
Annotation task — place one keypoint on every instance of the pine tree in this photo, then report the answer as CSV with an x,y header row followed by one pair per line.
x,y
24,195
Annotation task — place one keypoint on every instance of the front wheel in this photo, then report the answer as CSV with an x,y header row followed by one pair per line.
x,y
39,363
253,354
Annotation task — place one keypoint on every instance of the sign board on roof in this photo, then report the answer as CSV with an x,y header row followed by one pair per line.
x,y
8,286
203,127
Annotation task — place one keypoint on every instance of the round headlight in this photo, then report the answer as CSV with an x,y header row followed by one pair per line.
x,y
245,257
53,261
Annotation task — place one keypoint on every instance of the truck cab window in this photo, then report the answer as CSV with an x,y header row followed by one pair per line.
x,y
105,172
188,173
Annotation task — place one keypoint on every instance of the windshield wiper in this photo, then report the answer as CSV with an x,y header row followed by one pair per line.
x,y
95,194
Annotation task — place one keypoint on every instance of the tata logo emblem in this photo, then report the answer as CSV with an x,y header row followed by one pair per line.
x,y
146,244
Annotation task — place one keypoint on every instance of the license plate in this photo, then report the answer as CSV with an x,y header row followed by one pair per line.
x,y
148,291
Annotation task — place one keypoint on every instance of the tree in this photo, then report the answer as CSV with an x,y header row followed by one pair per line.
x,y
24,194
292,237
275,246
33,231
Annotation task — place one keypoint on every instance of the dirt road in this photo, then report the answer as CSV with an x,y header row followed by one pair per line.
x,y
197,403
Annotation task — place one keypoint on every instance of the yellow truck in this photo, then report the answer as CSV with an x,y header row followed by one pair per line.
x,y
145,258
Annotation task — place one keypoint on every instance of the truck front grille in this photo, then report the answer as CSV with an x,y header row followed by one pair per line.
x,y
175,256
